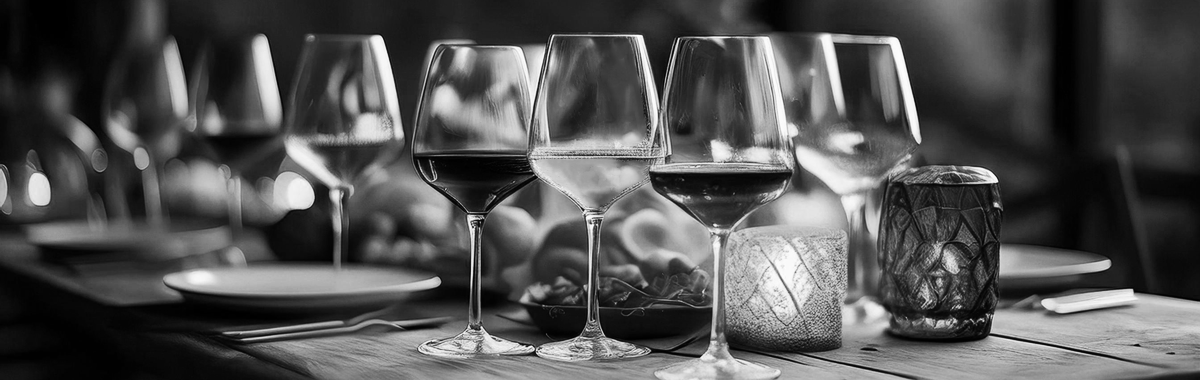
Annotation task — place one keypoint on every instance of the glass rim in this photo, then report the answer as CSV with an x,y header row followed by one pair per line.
x,y
865,39
726,36
807,231
340,37
480,46
799,34
597,34
932,175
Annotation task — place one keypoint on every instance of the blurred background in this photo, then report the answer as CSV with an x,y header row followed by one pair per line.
x,y
1087,111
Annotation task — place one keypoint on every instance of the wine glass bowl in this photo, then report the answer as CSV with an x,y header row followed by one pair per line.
x,y
593,136
235,99
730,153
238,111
145,111
470,142
851,105
872,129
343,118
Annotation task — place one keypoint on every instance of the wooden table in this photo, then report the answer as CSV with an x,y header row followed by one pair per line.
x,y
148,325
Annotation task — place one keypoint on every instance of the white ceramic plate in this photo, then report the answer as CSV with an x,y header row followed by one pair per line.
x,y
136,239
1034,268
312,287
1018,261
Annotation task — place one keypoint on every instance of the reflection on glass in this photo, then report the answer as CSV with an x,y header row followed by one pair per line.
x,y
470,143
593,137
343,118
851,105
729,154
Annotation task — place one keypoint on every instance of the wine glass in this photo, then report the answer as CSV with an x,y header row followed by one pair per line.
x,y
343,117
851,105
235,100
145,109
470,143
729,154
593,137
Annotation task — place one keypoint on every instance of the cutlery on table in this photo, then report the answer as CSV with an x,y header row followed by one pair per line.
x,y
374,314
327,328
1078,302
1089,301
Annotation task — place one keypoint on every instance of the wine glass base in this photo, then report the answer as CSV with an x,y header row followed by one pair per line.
x,y
474,343
598,348
707,367
865,310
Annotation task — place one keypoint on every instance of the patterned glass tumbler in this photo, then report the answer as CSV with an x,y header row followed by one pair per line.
x,y
939,250
785,287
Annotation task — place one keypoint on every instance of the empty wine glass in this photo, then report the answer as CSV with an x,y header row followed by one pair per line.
x,y
145,110
593,137
851,105
343,117
729,154
470,143
235,99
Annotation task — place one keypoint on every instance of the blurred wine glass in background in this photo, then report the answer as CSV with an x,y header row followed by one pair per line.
x,y
145,111
343,118
235,100
850,107
42,176
50,162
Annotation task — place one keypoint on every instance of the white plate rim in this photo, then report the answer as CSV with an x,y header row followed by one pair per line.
x,y
1097,263
177,281
38,235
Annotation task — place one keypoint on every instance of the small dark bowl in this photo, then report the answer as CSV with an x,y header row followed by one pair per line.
x,y
621,323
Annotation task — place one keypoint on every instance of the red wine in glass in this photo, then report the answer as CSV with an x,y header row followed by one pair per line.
x,y
719,195
240,151
476,181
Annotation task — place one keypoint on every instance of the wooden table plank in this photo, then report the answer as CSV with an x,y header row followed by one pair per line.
x,y
989,358
393,355
113,289
1156,330
1099,344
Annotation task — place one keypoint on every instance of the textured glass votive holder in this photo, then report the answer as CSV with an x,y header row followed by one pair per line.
x,y
785,287
939,250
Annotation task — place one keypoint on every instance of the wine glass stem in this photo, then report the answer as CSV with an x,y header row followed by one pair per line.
x,y
152,189
341,222
717,346
474,310
234,182
593,220
863,268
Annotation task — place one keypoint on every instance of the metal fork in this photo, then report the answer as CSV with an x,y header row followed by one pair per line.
x,y
401,325
309,326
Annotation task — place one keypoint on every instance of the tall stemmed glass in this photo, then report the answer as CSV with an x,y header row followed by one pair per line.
x,y
343,117
856,123
470,143
594,136
729,154
145,110
235,99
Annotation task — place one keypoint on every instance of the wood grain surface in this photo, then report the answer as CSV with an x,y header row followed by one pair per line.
x,y
1156,337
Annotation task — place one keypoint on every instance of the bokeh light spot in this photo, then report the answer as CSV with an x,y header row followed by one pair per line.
x,y
141,158
39,189
293,192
